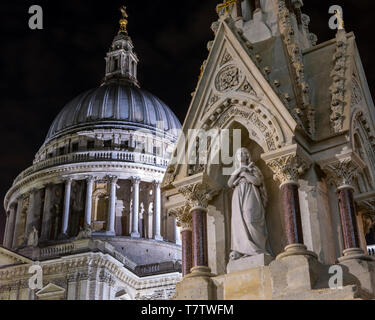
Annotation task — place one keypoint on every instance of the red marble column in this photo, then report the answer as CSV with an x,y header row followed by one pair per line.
x,y
257,4
239,8
200,256
348,217
187,254
292,213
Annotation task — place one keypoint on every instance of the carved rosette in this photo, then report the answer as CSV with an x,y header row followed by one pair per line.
x,y
229,78
183,217
288,168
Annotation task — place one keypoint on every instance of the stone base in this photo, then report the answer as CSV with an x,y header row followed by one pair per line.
x,y
296,250
135,235
363,272
355,253
195,288
259,260
158,238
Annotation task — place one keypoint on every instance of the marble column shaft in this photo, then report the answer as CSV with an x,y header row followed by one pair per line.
x,y
46,222
177,233
30,212
112,205
10,227
65,221
187,251
88,206
199,237
348,217
157,211
292,213
135,213
16,225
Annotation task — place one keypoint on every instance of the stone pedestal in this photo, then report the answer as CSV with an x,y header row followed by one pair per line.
x,y
195,288
295,272
259,260
363,272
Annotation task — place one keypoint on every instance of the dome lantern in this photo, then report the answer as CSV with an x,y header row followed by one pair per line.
x,y
121,60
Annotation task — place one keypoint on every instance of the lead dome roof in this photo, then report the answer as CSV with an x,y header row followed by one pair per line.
x,y
115,105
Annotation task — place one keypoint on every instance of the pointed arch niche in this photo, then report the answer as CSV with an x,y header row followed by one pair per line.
x,y
219,214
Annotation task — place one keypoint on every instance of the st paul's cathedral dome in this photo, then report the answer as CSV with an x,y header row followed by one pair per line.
x,y
92,198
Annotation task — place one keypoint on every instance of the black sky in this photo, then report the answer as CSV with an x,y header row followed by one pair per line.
x,y
40,71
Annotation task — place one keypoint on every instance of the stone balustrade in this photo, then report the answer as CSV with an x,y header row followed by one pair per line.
x,y
124,156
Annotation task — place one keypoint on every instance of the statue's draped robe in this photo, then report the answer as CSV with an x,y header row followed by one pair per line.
x,y
249,231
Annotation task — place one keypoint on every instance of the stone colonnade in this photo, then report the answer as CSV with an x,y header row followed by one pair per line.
x,y
287,168
15,229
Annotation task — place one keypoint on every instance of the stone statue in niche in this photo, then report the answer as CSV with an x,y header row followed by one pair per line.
x,y
248,224
33,238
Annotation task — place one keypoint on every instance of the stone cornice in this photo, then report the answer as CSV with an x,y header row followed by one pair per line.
x,y
70,265
56,172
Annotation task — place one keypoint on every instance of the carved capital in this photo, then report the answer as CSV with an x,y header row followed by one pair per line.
x,y
112,179
198,194
342,170
67,179
135,180
90,179
288,168
183,217
156,184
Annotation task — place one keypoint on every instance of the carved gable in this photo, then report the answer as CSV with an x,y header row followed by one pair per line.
x,y
233,86
51,292
9,258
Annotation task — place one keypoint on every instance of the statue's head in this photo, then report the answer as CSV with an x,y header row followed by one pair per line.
x,y
242,157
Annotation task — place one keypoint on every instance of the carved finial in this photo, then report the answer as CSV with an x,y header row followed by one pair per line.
x,y
123,21
339,19
226,5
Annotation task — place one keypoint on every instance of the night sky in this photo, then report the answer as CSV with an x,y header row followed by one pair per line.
x,y
41,70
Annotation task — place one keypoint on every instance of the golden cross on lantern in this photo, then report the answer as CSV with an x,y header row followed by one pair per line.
x,y
226,4
123,21
123,11
339,19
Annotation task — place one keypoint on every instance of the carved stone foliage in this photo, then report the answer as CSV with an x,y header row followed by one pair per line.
x,y
226,58
311,36
305,111
183,217
247,88
228,78
198,194
338,85
362,127
356,97
266,128
169,176
288,168
342,172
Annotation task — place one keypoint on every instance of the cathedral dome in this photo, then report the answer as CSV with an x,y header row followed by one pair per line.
x,y
116,104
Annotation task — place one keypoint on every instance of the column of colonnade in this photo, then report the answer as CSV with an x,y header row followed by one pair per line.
x,y
13,231
192,216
